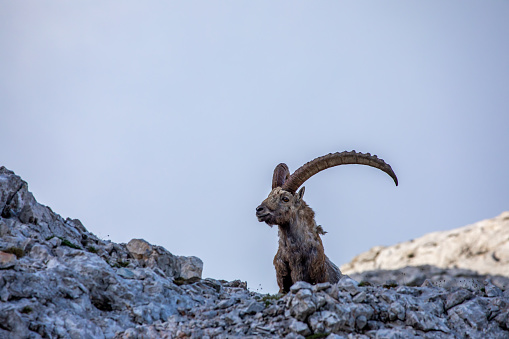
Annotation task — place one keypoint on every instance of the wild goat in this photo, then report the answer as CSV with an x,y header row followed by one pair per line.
x,y
301,256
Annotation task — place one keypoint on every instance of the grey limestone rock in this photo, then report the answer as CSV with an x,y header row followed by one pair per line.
x,y
139,249
57,280
190,267
300,327
254,307
158,257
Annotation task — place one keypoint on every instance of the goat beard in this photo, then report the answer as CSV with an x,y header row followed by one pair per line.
x,y
268,219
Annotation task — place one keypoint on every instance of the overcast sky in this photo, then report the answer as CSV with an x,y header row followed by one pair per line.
x,y
164,120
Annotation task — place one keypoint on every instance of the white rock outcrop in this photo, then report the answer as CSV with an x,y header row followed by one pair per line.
x,y
482,247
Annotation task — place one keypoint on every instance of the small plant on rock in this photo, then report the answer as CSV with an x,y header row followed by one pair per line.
x,y
26,310
67,243
268,299
18,252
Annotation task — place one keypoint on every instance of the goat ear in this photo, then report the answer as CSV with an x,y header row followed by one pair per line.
x,y
300,194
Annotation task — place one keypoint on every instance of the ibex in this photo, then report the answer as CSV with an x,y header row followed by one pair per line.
x,y
301,256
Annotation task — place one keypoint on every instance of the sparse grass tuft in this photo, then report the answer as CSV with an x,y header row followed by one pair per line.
x,y
26,310
269,298
18,252
67,243
390,284
118,264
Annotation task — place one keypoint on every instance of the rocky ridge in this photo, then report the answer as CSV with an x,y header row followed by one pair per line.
x,y
57,280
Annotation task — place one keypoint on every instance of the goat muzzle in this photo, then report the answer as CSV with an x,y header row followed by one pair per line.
x,y
262,213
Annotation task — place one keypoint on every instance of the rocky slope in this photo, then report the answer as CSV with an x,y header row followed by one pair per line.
x,y
57,280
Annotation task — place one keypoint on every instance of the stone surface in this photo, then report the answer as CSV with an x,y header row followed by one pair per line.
x,y
300,327
57,280
190,267
139,249
433,276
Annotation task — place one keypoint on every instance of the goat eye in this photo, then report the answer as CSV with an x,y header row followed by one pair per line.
x,y
285,199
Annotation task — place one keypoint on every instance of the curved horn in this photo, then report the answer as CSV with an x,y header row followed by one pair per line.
x,y
335,159
281,174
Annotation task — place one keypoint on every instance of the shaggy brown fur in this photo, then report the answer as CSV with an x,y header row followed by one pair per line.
x,y
300,256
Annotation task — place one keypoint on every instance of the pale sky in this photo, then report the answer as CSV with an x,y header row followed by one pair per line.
x,y
164,120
